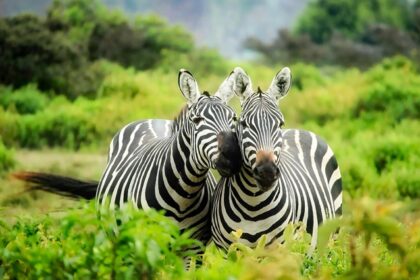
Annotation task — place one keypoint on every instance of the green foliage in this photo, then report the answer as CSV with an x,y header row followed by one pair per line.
x,y
378,245
145,244
58,53
376,240
347,33
307,76
125,96
162,36
31,53
394,91
378,146
77,18
7,160
202,62
323,17
369,119
26,100
140,45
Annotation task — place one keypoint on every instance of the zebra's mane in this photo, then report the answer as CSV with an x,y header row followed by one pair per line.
x,y
179,119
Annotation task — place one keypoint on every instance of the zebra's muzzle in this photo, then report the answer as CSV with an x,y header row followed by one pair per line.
x,y
266,175
229,160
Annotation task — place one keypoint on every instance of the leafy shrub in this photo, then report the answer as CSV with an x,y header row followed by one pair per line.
x,y
201,62
408,182
64,125
377,240
31,53
58,53
324,97
347,33
7,161
322,17
378,245
307,76
26,100
121,83
9,126
144,245
393,91
387,153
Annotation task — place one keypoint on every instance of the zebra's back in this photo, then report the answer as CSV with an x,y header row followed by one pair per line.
x,y
136,134
310,170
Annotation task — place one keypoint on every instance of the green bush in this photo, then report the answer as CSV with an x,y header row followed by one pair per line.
x,y
64,46
322,17
31,53
26,100
386,153
408,182
393,91
7,161
62,125
377,240
144,245
201,62
307,76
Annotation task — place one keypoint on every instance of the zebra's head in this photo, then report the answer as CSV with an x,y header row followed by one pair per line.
x,y
260,126
211,126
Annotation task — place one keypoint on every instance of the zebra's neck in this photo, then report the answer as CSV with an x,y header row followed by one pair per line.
x,y
179,169
246,187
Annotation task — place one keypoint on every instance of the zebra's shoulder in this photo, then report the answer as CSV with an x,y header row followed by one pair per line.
x,y
304,137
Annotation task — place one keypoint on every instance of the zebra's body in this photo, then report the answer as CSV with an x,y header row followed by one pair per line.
x,y
287,176
164,164
148,165
303,193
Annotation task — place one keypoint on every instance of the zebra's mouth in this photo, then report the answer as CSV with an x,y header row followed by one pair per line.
x,y
266,184
266,175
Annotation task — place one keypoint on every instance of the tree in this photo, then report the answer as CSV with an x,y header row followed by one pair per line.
x,y
31,53
348,33
350,17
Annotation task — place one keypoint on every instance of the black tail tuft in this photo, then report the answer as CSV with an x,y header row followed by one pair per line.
x,y
61,185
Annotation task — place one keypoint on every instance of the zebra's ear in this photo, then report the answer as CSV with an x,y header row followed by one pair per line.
x,y
281,84
238,82
188,86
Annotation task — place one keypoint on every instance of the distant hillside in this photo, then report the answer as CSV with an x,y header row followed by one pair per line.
x,y
222,24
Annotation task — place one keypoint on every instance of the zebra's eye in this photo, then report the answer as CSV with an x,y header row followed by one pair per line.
x,y
197,119
234,119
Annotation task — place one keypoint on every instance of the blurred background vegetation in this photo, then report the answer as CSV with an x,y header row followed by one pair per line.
x,y
76,71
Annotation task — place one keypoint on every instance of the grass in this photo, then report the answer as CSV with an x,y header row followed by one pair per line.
x,y
16,202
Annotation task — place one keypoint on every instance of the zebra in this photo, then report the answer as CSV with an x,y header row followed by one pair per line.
x,y
164,164
287,175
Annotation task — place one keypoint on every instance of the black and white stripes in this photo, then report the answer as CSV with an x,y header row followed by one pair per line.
x,y
277,176
287,175
165,165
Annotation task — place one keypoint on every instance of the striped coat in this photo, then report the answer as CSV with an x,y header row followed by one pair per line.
x,y
287,175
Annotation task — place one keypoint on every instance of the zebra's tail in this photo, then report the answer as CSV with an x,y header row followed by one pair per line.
x,y
60,185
